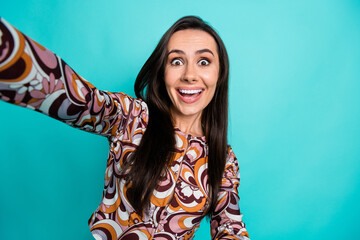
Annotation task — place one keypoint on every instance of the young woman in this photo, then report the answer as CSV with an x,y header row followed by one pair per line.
x,y
169,163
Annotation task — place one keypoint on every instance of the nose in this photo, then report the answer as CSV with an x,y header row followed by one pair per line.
x,y
190,73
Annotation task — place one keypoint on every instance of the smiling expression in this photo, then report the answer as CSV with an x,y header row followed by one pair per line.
x,y
191,72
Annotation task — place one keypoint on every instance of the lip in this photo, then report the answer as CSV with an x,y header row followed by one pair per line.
x,y
191,99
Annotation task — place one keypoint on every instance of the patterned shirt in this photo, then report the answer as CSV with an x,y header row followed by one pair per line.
x,y
32,76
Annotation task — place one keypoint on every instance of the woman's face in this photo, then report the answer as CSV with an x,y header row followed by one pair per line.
x,y
191,72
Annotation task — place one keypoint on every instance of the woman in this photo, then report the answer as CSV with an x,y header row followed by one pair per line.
x,y
169,164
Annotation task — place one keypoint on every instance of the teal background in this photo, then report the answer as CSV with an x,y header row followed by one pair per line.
x,y
294,112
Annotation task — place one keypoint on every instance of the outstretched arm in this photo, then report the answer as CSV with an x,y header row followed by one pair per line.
x,y
226,221
32,76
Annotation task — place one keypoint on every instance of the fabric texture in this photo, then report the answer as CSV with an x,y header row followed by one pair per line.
x,y
32,76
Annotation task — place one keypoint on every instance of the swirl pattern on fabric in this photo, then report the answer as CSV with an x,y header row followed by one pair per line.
x,y
32,76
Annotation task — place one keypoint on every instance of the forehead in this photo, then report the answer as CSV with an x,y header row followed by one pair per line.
x,y
192,39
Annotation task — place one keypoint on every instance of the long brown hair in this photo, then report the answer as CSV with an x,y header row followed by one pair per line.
x,y
157,146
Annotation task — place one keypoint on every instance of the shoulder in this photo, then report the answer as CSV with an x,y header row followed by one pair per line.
x,y
231,177
231,158
230,152
231,165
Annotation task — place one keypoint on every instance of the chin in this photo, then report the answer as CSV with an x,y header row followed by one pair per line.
x,y
189,112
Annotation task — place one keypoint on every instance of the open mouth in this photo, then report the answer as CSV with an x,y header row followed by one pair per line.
x,y
189,95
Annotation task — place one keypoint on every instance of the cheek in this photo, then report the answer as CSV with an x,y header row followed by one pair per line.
x,y
169,78
212,93
169,84
211,76
211,80
212,85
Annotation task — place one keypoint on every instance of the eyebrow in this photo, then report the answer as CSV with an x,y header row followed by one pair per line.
x,y
197,52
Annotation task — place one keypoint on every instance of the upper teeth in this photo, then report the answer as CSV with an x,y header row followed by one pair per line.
x,y
189,91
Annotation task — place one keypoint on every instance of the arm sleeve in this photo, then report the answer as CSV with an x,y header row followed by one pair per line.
x,y
226,221
32,76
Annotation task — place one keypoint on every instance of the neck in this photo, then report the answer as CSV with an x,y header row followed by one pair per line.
x,y
188,124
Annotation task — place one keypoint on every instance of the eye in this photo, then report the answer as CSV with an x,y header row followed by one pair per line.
x,y
204,62
176,62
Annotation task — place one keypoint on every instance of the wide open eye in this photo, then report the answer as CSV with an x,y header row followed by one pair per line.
x,y
204,62
176,62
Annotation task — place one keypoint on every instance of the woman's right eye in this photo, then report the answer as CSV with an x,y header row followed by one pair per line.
x,y
176,62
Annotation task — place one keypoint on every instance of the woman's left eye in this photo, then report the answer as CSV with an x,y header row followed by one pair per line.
x,y
204,62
